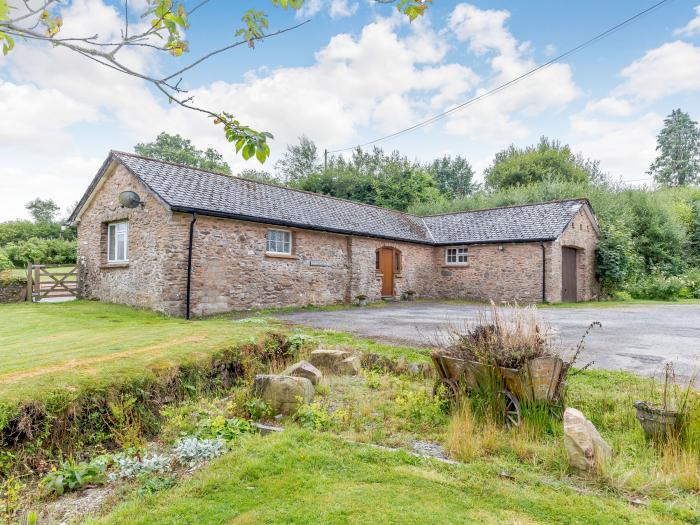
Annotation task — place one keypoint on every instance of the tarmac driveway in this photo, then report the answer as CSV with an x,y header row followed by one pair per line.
x,y
638,338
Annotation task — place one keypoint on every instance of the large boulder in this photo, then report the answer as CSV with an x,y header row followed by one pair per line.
x,y
328,360
350,366
304,369
585,447
283,393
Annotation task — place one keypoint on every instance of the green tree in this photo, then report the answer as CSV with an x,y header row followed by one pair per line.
x,y
678,144
162,26
258,175
549,160
299,161
174,148
43,210
453,177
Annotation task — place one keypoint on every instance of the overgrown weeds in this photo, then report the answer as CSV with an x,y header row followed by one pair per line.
x,y
507,337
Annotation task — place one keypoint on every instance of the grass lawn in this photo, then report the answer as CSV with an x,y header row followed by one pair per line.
x,y
300,477
49,346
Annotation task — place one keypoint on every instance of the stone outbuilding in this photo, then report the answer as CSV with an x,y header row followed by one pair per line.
x,y
189,242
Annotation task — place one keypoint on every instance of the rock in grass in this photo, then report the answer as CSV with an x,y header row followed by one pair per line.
x,y
304,369
350,366
585,448
328,360
283,393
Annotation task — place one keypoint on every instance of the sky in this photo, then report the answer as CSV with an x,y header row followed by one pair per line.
x,y
355,72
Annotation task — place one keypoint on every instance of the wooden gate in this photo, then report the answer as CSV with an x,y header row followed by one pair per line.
x,y
49,281
569,292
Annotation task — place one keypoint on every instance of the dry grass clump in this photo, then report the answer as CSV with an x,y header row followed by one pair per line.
x,y
507,337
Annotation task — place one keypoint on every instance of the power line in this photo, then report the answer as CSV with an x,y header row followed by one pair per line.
x,y
505,85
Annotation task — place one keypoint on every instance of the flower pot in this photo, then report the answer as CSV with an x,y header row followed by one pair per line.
x,y
656,422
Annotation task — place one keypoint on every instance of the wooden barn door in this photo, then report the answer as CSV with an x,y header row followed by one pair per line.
x,y
568,275
386,266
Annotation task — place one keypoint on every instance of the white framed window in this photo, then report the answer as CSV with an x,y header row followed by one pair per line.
x,y
118,242
279,241
456,255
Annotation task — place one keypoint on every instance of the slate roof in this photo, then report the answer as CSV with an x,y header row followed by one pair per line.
x,y
189,190
532,222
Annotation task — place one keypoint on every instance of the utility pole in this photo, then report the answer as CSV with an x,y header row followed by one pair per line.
x,y
325,159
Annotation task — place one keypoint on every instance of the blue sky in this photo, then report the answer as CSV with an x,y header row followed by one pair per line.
x,y
355,72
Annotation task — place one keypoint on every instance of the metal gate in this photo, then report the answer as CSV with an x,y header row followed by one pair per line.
x,y
49,281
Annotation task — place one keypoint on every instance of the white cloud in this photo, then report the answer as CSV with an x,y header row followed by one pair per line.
x,y
310,8
692,28
613,106
38,117
667,70
499,117
625,148
342,8
375,79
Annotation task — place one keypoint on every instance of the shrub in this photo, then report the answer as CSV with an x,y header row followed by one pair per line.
x,y
258,409
74,476
656,287
313,416
46,251
130,466
17,231
5,262
193,451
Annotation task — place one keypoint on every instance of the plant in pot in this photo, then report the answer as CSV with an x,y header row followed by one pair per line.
x,y
663,419
361,300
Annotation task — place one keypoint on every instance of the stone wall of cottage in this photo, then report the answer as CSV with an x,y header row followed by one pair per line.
x,y
417,268
142,280
581,235
498,272
232,271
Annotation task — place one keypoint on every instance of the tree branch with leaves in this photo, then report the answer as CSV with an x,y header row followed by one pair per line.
x,y
163,31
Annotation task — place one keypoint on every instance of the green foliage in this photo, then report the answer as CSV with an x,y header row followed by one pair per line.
x,y
666,288
43,210
258,408
616,259
13,231
547,161
228,429
453,177
248,141
73,476
172,17
255,24
299,162
258,175
5,262
177,149
313,416
154,484
678,144
46,251
388,180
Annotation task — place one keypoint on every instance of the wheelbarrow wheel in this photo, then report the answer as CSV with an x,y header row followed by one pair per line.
x,y
447,389
512,415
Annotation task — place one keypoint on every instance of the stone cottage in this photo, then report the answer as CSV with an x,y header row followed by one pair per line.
x,y
189,242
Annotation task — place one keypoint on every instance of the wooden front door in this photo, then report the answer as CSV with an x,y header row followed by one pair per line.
x,y
568,275
386,267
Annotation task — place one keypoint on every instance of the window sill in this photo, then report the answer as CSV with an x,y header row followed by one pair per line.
x,y
462,265
275,255
107,266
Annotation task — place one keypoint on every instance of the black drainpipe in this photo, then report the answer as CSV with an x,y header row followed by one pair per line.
x,y
544,274
189,267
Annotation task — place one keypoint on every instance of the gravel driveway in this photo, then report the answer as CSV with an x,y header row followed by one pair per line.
x,y
638,338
